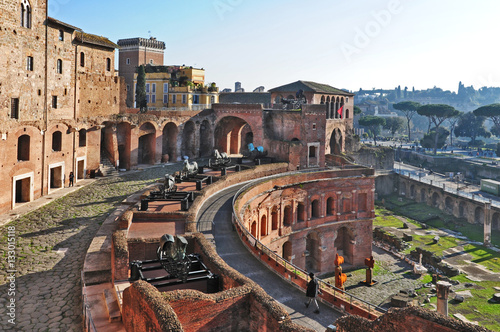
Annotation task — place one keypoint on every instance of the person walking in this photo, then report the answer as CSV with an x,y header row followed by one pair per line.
x,y
71,178
311,292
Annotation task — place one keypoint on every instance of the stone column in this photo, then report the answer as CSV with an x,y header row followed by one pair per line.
x,y
443,289
487,224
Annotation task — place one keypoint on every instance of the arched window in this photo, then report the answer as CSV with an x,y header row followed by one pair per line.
x,y
25,14
57,141
82,137
59,66
315,209
23,148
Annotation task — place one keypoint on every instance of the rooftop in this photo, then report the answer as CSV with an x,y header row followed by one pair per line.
x,y
308,86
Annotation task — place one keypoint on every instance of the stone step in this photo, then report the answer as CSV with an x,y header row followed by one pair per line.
x,y
112,305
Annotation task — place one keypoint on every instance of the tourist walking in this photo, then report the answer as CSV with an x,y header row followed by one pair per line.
x,y
312,291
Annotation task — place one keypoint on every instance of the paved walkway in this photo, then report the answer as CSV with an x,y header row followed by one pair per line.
x,y
51,243
215,219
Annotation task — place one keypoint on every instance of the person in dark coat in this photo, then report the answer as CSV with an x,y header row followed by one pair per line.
x,y
311,292
71,179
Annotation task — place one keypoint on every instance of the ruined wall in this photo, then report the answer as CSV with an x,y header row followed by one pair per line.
x,y
333,206
411,319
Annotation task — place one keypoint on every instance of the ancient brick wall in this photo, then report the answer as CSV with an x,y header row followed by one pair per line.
x,y
344,209
411,319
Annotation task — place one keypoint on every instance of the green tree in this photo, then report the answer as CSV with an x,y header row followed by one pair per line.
x,y
373,124
453,123
409,109
471,126
140,91
357,110
394,124
429,140
437,114
492,112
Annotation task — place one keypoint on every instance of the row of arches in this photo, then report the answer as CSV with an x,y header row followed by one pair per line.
x,y
24,143
172,141
335,107
332,206
459,208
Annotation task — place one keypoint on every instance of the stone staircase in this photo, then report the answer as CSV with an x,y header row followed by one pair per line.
x,y
107,167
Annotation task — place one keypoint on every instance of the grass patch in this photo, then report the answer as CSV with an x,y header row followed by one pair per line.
x,y
484,256
426,242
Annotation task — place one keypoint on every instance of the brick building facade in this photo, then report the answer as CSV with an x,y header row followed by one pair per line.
x,y
57,85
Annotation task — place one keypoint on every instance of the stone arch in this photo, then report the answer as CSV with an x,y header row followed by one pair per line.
x,y
479,215
462,209
315,209
169,141
436,200
253,229
344,243
82,137
189,140
495,221
287,251
330,206
147,144
287,216
263,226
228,135
274,219
448,203
206,137
313,257
322,101
337,106
123,139
56,141
336,142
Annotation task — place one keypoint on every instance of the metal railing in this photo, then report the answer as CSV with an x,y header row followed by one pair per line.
x,y
88,322
290,267
452,188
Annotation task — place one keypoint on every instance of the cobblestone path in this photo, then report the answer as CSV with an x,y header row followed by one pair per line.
x,y
48,280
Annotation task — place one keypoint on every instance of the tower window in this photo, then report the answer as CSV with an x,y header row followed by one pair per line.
x,y
14,108
29,63
54,101
61,35
59,66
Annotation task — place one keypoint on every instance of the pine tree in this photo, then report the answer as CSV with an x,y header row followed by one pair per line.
x,y
140,91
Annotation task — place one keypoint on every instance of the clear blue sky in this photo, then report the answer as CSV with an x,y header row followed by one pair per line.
x,y
347,44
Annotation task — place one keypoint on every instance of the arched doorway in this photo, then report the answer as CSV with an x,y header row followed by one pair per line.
x,y
315,209
254,229
189,140
123,135
206,137
448,203
344,244
169,141
313,257
147,144
287,251
263,226
232,135
336,142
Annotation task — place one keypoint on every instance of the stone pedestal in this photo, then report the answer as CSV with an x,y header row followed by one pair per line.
x,y
443,290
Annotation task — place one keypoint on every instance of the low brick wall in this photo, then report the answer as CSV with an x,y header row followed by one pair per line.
x,y
241,305
227,181
411,319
